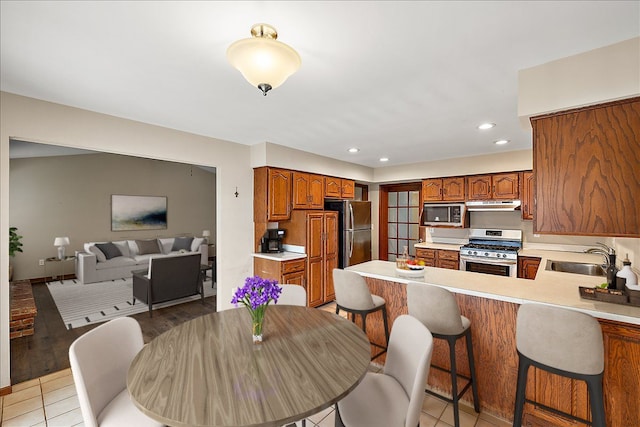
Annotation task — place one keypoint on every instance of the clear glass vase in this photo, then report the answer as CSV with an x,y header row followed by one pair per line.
x,y
257,322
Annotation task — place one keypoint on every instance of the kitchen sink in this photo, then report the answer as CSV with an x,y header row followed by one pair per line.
x,y
576,268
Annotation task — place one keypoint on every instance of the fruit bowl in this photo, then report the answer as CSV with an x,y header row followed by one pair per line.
x,y
415,267
410,273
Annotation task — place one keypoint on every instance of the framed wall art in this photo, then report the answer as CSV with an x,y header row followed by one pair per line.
x,y
138,213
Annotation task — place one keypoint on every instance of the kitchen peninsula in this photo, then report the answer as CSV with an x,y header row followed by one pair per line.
x,y
491,303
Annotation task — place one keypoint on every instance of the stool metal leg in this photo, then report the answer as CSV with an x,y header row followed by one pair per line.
x,y
454,380
523,367
472,368
596,398
386,324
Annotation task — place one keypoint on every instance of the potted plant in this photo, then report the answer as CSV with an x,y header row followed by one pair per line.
x,y
15,246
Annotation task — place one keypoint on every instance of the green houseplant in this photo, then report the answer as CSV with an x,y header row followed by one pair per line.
x,y
15,246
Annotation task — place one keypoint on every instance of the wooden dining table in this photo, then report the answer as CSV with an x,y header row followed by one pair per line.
x,y
208,371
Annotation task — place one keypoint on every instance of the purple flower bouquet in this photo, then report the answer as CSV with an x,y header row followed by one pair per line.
x,y
255,295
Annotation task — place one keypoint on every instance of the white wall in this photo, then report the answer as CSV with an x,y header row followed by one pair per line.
x,y
38,121
600,75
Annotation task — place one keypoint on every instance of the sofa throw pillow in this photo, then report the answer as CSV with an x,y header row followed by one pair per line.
x,y
109,250
182,243
148,246
195,245
98,253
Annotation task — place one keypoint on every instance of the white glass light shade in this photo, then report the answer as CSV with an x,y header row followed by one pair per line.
x,y
206,233
264,61
61,241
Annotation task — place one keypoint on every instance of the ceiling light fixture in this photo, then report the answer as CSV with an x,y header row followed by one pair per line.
x,y
384,159
354,150
265,62
485,126
501,142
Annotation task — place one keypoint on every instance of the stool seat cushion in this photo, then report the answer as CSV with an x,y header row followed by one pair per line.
x,y
377,301
436,308
121,412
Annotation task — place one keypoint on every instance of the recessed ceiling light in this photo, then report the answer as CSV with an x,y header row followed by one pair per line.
x,y
384,159
501,142
354,150
486,126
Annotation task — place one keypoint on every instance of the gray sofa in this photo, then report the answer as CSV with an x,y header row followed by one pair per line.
x,y
168,278
101,261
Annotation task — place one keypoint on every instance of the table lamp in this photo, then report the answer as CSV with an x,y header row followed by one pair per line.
x,y
61,242
205,235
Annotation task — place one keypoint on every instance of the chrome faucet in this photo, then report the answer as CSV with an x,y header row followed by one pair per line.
x,y
610,262
608,252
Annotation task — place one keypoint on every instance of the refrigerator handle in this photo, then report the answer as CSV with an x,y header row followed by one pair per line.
x,y
350,243
352,225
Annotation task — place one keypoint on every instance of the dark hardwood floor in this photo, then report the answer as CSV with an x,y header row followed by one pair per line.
x,y
47,350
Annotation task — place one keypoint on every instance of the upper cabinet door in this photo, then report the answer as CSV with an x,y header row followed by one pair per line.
x,y
279,190
316,191
300,190
347,189
528,202
479,187
332,187
432,190
586,165
505,186
453,189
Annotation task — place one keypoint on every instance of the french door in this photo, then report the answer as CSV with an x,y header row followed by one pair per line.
x,y
400,206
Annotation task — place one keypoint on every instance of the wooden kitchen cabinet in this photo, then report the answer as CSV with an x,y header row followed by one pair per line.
x,y
291,272
527,192
308,191
528,267
318,233
586,170
339,188
272,194
443,189
440,258
500,186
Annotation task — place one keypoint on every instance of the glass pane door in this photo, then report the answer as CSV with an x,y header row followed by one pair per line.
x,y
403,211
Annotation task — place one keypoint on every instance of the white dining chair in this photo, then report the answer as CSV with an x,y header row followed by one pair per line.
x,y
100,360
393,397
293,295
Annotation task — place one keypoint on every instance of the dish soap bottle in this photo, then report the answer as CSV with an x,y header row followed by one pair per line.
x,y
628,274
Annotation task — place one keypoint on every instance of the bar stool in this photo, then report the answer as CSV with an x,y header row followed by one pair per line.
x,y
564,342
437,308
353,296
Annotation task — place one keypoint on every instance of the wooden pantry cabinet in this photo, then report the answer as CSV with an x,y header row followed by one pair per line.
x,y
443,189
587,177
291,272
441,258
499,186
318,233
339,188
308,191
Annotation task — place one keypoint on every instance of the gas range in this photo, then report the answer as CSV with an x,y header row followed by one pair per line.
x,y
490,245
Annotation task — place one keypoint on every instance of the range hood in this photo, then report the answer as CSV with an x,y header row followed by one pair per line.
x,y
493,205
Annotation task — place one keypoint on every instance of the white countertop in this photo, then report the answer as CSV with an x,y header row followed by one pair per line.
x,y
280,256
549,287
432,245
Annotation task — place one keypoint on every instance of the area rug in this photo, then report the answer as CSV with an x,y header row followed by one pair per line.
x,y
82,305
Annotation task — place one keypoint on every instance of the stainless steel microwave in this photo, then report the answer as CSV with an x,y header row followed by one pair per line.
x,y
444,215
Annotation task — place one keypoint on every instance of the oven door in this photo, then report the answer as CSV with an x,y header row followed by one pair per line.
x,y
497,268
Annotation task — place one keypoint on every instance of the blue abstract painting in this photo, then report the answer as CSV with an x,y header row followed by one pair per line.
x,y
138,213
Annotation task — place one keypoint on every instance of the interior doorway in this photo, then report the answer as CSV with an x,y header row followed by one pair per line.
x,y
400,206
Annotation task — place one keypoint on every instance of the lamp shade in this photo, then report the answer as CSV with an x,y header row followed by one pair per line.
x,y
206,233
265,62
61,241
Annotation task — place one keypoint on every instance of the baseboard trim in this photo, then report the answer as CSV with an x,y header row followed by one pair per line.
x,y
5,390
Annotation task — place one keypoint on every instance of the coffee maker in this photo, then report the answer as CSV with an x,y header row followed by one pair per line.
x,y
272,241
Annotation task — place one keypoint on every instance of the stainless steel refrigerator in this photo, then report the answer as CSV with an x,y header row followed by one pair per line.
x,y
354,235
